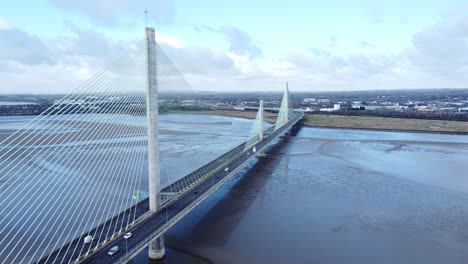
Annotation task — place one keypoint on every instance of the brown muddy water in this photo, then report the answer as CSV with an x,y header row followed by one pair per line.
x,y
324,196
336,196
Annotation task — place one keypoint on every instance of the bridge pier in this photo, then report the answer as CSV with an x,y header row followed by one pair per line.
x,y
156,248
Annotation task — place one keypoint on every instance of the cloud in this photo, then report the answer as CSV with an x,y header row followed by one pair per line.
x,y
5,24
240,42
437,56
169,40
29,63
111,12
324,70
365,44
199,60
442,48
86,42
376,15
321,52
19,47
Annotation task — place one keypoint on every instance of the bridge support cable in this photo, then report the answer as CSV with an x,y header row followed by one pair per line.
x,y
39,224
51,118
88,195
81,208
10,186
78,169
39,191
59,200
286,109
192,144
256,133
123,161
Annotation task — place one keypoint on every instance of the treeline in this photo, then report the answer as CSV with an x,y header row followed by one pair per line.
x,y
29,109
440,115
101,108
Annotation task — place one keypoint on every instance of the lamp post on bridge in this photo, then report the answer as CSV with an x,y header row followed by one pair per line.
x,y
156,247
262,112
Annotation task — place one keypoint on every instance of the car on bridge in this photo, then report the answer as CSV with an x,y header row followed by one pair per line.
x,y
128,235
88,239
113,250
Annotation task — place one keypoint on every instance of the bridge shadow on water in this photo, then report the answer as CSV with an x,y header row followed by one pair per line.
x,y
201,235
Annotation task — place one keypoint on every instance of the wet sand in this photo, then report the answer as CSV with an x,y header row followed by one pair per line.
x,y
83,156
338,196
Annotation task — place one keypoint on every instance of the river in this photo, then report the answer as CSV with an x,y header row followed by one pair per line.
x,y
324,196
336,196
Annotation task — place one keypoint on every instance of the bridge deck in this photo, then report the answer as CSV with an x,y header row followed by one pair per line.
x,y
188,192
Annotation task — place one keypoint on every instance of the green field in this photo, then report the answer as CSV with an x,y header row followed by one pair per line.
x,y
383,123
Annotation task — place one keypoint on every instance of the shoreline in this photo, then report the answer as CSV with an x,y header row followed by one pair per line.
x,y
272,118
390,130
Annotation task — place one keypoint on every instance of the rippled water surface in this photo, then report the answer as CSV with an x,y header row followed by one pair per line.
x,y
337,196
324,196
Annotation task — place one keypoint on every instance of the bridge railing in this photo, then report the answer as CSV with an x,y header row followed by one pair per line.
x,y
172,214
201,173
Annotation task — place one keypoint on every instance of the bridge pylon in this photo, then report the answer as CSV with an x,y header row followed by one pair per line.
x,y
156,247
286,109
256,133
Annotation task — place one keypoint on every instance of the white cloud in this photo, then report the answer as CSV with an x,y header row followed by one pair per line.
x,y
169,40
442,48
437,56
241,42
5,24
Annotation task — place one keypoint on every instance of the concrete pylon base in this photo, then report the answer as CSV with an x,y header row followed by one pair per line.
x,y
156,249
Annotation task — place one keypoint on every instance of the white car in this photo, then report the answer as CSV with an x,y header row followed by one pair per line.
x,y
88,239
113,250
128,235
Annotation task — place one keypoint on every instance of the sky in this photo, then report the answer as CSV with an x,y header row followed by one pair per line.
x,y
52,46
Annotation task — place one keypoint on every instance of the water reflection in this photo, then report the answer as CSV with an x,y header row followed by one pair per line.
x,y
338,196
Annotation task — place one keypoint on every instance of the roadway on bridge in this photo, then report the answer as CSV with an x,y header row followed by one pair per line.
x,y
187,194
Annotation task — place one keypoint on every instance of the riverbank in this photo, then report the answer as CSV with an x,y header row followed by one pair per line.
x,y
401,195
363,122
269,117
386,124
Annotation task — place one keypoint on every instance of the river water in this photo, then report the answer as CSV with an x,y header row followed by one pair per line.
x,y
69,173
336,196
324,196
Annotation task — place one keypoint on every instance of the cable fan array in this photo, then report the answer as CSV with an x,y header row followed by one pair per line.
x,y
84,160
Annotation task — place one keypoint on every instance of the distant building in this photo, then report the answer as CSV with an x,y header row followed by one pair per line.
x,y
372,107
304,109
358,106
397,106
421,107
336,107
310,100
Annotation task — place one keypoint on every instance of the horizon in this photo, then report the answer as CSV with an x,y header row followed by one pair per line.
x,y
266,91
48,45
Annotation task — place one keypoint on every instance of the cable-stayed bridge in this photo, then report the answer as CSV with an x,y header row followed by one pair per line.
x,y
122,153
